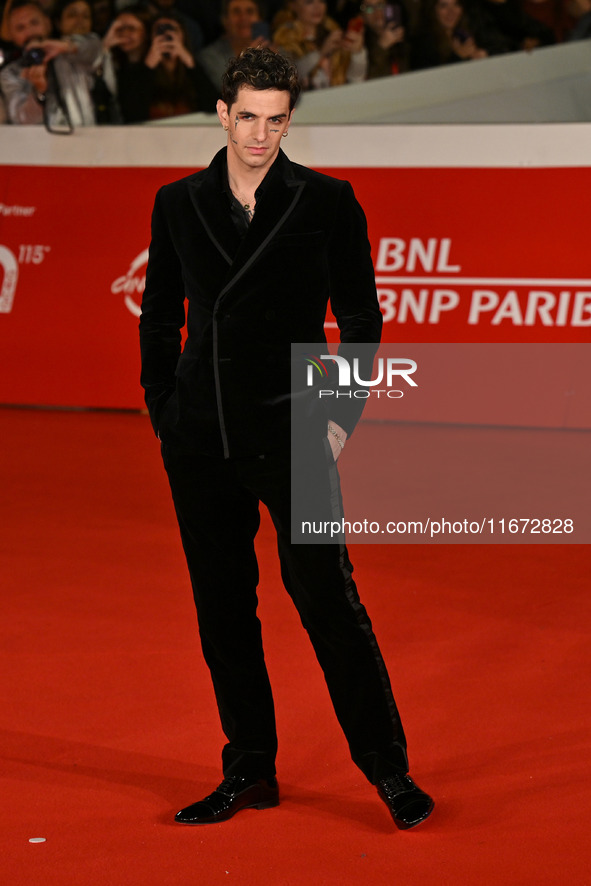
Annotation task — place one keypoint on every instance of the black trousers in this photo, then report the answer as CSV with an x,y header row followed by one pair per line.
x,y
217,506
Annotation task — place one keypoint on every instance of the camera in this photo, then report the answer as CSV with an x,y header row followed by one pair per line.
x,y
165,29
33,56
393,14
260,29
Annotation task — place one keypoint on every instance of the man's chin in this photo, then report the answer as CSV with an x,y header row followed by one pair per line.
x,y
259,161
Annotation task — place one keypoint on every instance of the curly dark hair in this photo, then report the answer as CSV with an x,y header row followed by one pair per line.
x,y
260,68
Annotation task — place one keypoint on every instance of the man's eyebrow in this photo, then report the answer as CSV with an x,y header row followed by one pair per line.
x,y
270,117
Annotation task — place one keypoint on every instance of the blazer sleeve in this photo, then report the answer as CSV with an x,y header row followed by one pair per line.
x,y
353,298
162,317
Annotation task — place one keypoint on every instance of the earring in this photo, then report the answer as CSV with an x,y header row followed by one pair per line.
x,y
285,134
226,128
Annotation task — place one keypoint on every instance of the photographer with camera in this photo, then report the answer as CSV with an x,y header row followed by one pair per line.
x,y
445,35
187,16
52,79
384,29
162,79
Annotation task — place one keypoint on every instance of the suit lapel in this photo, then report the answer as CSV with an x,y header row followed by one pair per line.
x,y
281,194
210,204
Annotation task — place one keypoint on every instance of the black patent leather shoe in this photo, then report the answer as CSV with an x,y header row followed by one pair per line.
x,y
235,793
408,804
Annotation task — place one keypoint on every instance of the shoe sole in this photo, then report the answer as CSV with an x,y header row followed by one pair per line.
x,y
266,804
406,827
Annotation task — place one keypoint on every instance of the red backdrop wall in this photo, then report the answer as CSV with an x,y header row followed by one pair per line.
x,y
461,255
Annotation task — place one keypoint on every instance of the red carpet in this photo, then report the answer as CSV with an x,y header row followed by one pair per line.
x,y
109,724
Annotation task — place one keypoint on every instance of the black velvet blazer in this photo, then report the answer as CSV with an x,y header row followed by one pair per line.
x,y
249,298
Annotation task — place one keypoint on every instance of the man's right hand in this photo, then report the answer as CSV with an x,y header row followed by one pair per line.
x,y
37,77
390,36
37,74
332,43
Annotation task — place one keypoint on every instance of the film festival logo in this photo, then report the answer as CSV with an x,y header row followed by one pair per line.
x,y
390,371
27,254
9,278
132,283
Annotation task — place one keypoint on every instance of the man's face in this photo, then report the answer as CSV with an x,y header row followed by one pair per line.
x,y
76,19
374,15
309,12
130,32
240,18
448,13
256,122
28,23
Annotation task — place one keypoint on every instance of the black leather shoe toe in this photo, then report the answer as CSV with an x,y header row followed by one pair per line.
x,y
408,804
235,792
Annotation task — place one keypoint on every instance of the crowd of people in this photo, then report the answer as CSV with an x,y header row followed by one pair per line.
x,y
87,62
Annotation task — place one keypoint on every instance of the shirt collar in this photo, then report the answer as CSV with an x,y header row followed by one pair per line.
x,y
271,172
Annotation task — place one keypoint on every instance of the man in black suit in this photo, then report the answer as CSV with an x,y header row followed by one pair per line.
x,y
258,245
